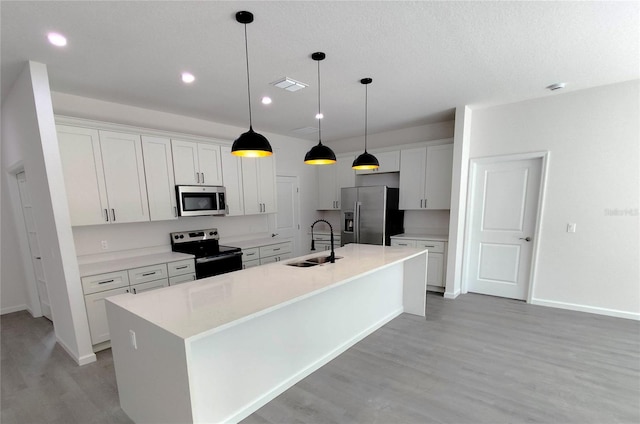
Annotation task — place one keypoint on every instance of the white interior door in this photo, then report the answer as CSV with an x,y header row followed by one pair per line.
x,y
34,246
504,207
287,219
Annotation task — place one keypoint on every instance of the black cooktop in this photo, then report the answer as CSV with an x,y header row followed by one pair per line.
x,y
201,243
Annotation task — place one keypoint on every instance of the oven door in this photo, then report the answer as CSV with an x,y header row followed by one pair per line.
x,y
216,265
201,200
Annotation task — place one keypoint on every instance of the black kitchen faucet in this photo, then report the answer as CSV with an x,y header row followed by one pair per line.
x,y
332,257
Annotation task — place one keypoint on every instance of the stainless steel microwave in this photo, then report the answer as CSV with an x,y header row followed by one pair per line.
x,y
201,200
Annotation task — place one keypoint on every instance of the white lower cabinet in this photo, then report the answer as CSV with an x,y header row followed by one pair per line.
x,y
437,259
266,254
323,242
98,287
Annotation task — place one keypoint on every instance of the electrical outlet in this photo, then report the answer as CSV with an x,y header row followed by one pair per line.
x,y
104,244
132,338
571,227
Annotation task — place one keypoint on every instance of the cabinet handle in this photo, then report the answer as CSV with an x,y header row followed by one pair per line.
x,y
182,267
175,211
421,200
425,203
105,282
146,274
113,213
106,215
275,250
127,291
198,177
202,177
429,246
134,290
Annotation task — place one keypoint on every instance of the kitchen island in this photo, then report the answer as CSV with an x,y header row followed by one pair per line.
x,y
217,349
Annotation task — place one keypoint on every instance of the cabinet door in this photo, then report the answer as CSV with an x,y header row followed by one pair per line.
x,y
438,177
83,175
327,181
179,279
403,243
97,314
345,176
209,164
151,285
435,269
389,162
185,162
413,164
124,176
158,170
250,264
250,188
232,181
267,184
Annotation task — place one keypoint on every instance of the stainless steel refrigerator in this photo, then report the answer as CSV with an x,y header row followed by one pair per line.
x,y
370,215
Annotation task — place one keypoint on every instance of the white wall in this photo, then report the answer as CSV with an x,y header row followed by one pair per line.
x,y
29,132
288,152
385,139
593,137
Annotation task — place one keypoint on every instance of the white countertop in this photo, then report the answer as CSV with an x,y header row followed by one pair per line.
x,y
94,268
434,237
211,304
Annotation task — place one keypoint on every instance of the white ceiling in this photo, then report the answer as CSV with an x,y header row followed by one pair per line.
x,y
425,57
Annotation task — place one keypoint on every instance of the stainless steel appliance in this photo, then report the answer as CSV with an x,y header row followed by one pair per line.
x,y
211,258
201,200
370,215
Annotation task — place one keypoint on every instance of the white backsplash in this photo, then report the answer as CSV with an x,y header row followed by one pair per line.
x,y
428,222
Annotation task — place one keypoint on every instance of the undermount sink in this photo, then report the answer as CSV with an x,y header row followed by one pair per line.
x,y
312,261
321,259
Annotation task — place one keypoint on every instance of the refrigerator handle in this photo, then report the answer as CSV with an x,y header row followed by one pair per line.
x,y
356,223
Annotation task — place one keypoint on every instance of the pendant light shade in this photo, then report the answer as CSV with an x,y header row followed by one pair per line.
x,y
365,160
249,144
319,154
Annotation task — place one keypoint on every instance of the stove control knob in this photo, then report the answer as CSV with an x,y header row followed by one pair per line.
x,y
176,237
212,233
181,236
215,233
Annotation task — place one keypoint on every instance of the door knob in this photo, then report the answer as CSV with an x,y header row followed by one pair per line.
x,y
525,238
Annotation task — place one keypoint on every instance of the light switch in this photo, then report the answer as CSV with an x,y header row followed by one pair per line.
x,y
571,227
132,336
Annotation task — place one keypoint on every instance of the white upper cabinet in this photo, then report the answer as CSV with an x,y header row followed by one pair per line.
x,y
232,177
331,179
83,175
124,176
259,185
104,176
158,165
196,163
425,177
389,162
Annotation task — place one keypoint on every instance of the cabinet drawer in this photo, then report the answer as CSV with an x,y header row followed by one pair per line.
x,y
433,246
101,282
147,273
250,254
403,243
178,279
276,258
275,249
250,264
186,266
151,285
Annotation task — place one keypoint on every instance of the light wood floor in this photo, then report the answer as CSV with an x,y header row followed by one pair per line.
x,y
477,359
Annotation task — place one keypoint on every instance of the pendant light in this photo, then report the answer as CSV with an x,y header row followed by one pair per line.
x,y
319,154
365,160
249,144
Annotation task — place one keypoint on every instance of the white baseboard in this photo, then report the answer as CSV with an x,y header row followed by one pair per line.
x,y
80,360
451,295
11,309
584,308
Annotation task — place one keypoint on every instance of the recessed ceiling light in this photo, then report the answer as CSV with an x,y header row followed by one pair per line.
x,y
319,116
266,100
188,78
57,39
556,86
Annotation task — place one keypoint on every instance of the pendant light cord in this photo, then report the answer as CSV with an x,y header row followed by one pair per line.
x,y
246,52
319,110
366,103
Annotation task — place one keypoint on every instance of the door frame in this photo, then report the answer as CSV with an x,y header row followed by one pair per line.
x,y
33,304
544,156
273,222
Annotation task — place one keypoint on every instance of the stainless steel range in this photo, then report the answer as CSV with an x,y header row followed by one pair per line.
x,y
211,258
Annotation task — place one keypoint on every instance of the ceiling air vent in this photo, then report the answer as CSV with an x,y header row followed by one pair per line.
x,y
289,84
